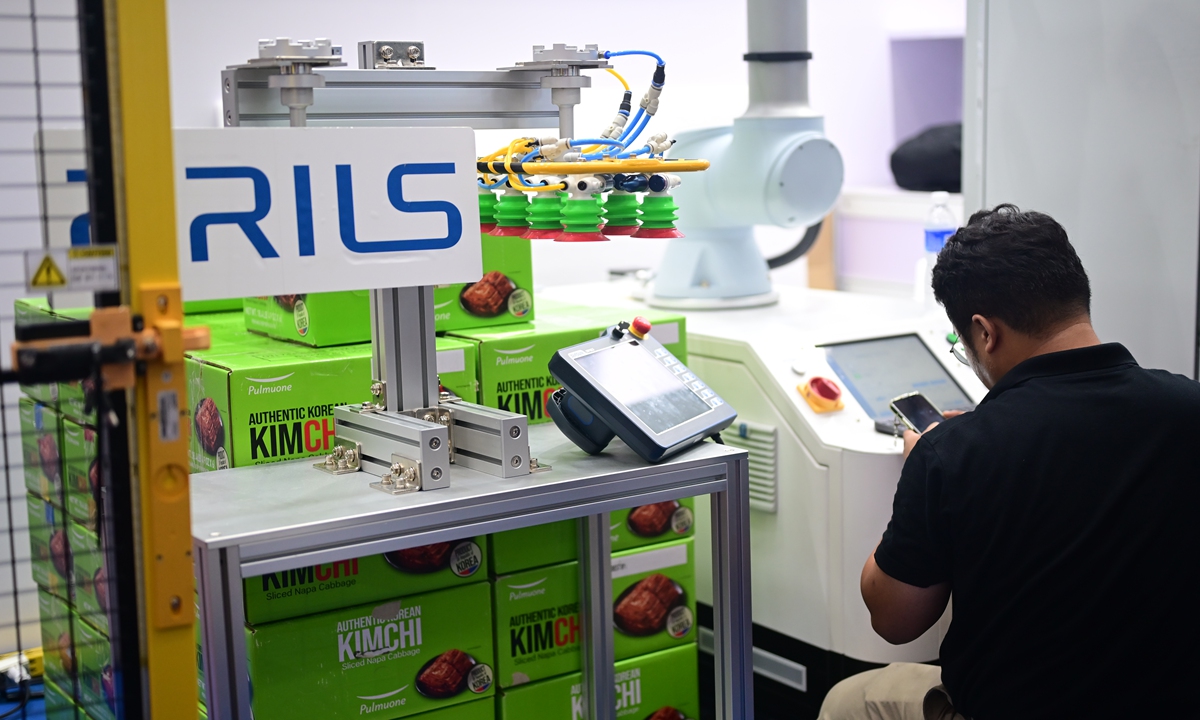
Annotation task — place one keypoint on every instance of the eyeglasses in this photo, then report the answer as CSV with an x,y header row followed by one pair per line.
x,y
959,351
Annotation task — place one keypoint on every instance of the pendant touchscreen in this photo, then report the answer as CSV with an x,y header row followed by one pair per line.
x,y
626,384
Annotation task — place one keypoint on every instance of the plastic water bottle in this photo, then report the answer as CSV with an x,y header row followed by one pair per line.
x,y
940,224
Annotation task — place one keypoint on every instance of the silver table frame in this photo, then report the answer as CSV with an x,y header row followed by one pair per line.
x,y
251,521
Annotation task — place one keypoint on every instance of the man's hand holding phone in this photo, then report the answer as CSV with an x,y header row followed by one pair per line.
x,y
911,437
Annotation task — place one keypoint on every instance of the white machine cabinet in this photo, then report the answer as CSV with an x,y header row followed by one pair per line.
x,y
821,484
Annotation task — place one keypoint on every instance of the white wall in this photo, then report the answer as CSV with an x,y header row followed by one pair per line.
x,y
701,40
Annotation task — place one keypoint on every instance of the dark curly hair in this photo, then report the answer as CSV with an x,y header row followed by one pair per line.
x,y
1011,265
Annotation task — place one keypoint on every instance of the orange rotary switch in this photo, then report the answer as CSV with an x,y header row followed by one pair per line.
x,y
640,327
822,394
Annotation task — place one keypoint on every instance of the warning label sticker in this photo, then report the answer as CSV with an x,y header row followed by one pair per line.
x,y
91,269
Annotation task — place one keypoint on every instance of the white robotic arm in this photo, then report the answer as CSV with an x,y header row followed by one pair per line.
x,y
774,166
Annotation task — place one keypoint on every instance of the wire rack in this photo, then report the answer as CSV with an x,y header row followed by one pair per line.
x,y
43,204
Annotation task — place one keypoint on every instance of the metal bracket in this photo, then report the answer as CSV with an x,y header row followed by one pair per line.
x,y
489,440
346,458
441,416
404,477
392,55
383,436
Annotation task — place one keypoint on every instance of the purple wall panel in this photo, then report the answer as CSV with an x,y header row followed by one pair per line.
x,y
927,84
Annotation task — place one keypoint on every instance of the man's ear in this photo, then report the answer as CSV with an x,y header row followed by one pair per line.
x,y
988,332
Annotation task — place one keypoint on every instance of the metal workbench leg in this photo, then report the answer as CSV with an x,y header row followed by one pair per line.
x,y
732,638
595,578
227,685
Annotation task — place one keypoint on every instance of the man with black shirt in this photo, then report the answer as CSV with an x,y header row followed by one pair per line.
x,y
1060,514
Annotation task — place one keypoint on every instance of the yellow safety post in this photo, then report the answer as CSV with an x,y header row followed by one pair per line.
x,y
141,116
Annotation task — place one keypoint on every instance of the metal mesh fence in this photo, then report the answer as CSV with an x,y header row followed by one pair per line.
x,y
53,593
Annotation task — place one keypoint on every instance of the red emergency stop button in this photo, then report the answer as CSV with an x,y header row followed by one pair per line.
x,y
822,394
640,327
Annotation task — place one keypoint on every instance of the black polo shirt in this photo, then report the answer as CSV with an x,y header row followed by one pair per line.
x,y
1065,513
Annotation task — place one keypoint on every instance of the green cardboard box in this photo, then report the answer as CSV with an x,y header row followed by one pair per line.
x,y
271,404
537,612
97,692
72,400
198,307
671,568
91,575
557,542
458,365
483,709
537,624
227,334
59,705
314,589
314,319
58,647
647,687
529,547
512,360
387,660
32,311
504,297
41,451
81,468
49,547
258,404
201,690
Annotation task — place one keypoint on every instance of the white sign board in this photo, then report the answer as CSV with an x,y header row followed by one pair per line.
x,y
277,211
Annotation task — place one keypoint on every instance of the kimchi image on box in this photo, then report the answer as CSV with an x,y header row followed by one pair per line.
x,y
382,660
317,588
558,542
654,598
81,472
49,547
91,575
314,319
250,408
41,452
537,624
503,296
529,547
512,360
649,524
659,686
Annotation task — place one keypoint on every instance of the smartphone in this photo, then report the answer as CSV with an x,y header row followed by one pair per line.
x,y
915,411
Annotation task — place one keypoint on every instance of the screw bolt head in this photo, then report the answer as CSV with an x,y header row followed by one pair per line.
x,y
414,52
514,431
435,443
387,52
436,473
516,461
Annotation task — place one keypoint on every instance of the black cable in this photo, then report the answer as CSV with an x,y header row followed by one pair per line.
x,y
805,244
25,695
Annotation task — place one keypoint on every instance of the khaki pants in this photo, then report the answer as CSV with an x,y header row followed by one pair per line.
x,y
900,691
